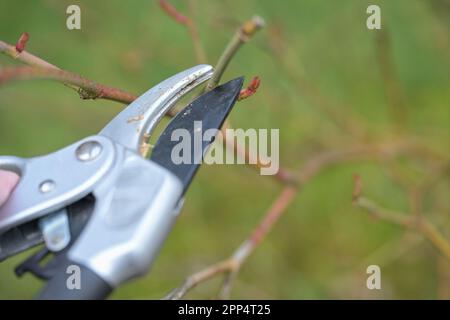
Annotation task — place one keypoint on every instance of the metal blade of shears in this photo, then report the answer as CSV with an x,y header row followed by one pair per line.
x,y
208,111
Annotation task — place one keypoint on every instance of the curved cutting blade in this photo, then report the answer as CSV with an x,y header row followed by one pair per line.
x,y
141,116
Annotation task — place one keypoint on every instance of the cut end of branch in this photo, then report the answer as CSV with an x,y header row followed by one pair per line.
x,y
172,12
250,27
251,89
21,43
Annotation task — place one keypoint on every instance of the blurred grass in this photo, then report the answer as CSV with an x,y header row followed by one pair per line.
x,y
317,248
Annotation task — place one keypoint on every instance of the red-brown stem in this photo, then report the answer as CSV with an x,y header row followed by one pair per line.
x,y
90,89
191,26
172,12
39,68
24,56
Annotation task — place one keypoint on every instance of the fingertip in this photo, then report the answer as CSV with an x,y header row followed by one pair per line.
x,y
8,180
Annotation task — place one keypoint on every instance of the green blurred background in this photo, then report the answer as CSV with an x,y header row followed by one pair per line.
x,y
312,53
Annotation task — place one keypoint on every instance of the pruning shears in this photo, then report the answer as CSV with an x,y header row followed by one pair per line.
x,y
100,208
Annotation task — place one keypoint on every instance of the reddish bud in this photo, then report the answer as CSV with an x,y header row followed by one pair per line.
x,y
251,89
20,45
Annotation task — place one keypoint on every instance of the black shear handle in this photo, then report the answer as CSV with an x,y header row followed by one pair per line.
x,y
70,280
75,282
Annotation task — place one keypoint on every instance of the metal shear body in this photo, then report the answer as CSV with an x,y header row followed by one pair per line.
x,y
101,208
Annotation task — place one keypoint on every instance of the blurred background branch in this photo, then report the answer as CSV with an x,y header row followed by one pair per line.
x,y
408,221
190,24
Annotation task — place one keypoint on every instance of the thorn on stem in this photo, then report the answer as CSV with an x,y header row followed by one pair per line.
x,y
173,12
251,89
20,45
